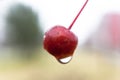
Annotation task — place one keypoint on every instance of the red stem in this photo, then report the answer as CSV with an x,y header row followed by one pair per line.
x,y
78,15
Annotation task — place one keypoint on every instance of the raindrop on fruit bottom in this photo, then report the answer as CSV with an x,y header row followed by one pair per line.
x,y
60,42
65,60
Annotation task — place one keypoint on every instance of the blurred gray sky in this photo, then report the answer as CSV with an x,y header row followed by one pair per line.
x,y
62,12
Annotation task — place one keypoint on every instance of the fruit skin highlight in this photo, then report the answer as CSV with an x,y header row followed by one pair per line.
x,y
60,42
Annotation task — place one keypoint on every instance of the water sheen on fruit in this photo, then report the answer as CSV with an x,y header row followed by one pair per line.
x,y
60,42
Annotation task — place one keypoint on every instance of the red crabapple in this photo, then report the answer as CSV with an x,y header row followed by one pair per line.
x,y
60,41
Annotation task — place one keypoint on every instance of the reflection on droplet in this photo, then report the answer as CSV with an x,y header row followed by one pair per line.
x,y
65,60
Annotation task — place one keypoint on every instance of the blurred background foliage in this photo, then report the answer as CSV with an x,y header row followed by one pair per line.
x,y
24,30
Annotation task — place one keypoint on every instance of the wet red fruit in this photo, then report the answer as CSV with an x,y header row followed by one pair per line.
x,y
60,42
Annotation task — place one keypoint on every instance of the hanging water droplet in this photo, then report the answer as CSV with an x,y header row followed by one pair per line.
x,y
65,60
